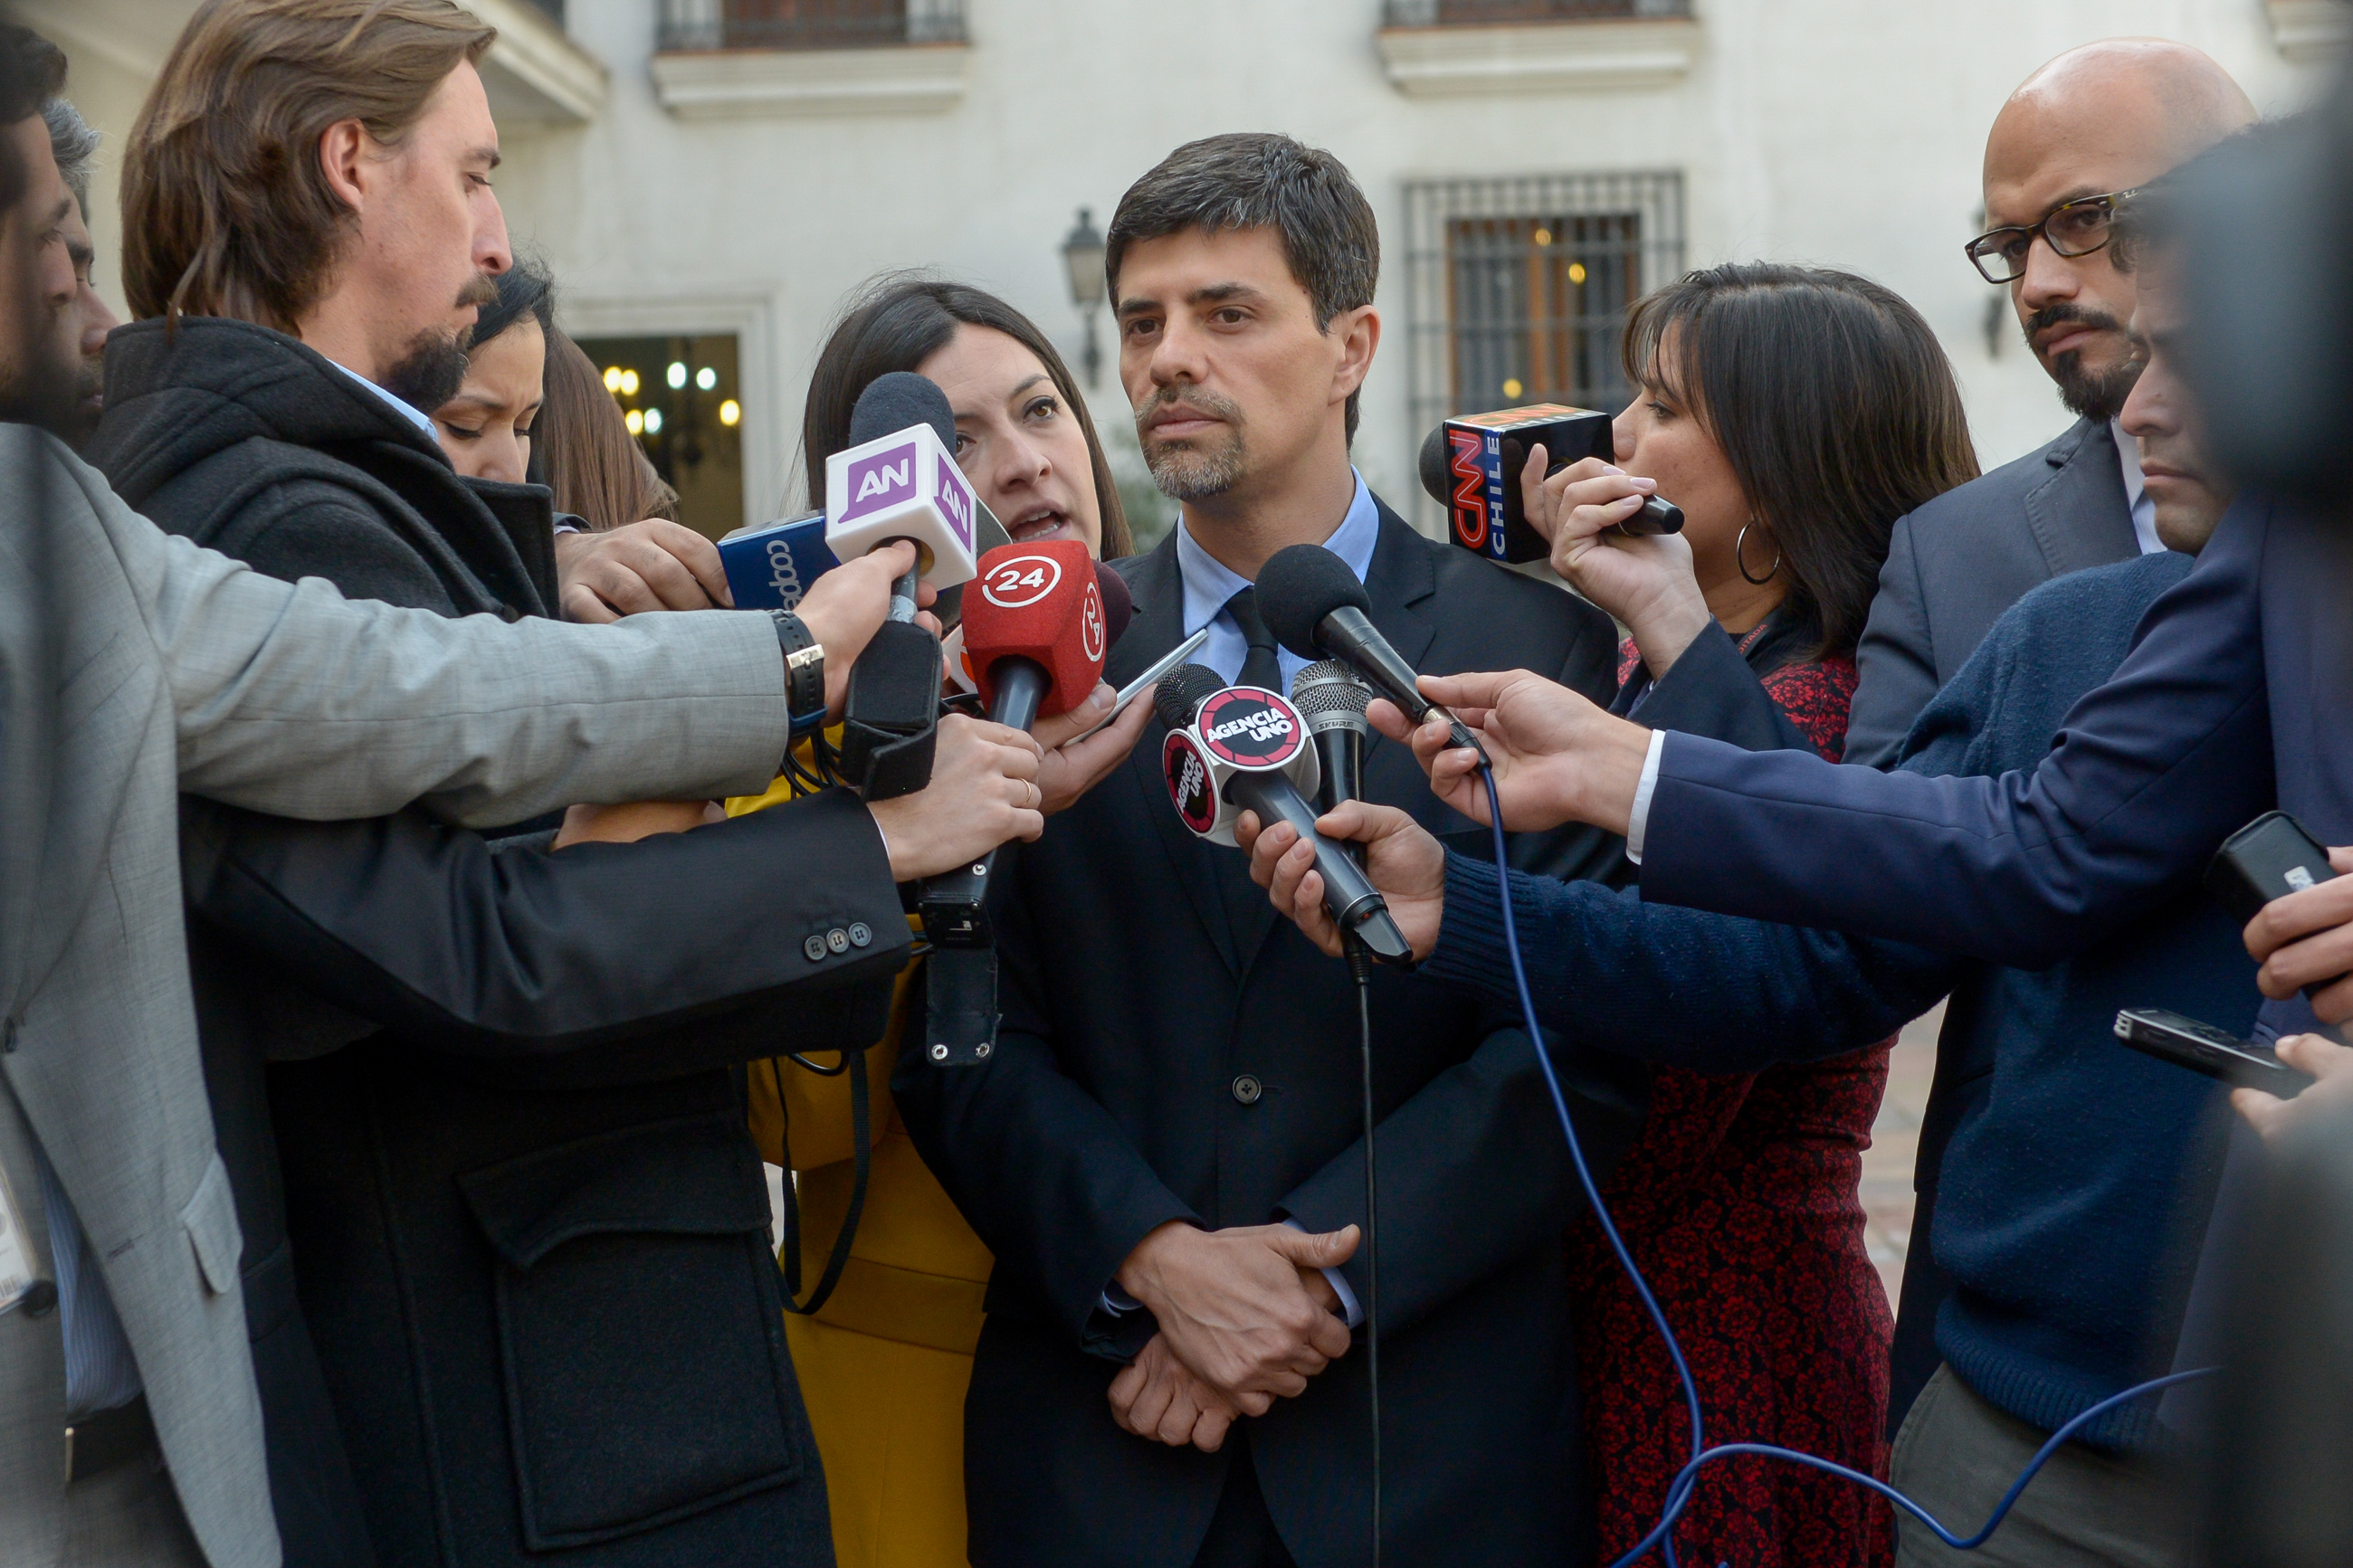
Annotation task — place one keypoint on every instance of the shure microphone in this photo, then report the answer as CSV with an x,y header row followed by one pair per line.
x,y
1316,609
1332,697
1035,631
1232,748
898,479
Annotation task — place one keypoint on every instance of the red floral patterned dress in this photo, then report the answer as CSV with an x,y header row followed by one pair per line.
x,y
1741,1204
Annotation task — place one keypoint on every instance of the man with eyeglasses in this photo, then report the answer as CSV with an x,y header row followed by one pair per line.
x,y
2076,135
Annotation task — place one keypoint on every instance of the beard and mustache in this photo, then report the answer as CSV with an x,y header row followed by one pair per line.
x,y
2090,395
1182,472
431,369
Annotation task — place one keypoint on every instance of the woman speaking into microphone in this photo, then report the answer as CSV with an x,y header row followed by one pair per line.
x,y
1793,413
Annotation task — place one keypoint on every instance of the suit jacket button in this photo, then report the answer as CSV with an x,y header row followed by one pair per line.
x,y
815,948
861,934
1247,1089
837,939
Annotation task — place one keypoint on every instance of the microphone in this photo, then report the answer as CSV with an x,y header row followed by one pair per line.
x,y
1316,609
1232,748
898,479
1332,697
1035,631
1471,466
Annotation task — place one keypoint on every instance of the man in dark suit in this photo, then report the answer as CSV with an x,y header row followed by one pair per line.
x,y
1175,1089
2098,119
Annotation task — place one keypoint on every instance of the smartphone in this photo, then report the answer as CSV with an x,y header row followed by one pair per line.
x,y
2204,1048
2269,858
1146,681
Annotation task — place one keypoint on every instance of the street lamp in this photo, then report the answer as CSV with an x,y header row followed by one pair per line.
x,y
1082,253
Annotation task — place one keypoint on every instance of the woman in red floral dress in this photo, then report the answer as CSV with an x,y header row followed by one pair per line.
x,y
1793,413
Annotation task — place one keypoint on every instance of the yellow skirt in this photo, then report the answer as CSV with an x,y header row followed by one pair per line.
x,y
885,1367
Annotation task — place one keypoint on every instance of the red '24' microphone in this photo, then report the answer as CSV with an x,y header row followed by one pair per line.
x,y
1035,630
1035,633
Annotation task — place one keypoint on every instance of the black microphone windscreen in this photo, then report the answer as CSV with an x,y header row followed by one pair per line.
x,y
1300,585
1119,605
1182,691
892,402
1437,480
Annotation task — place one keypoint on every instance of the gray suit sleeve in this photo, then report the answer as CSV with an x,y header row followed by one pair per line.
x,y
292,700
1895,662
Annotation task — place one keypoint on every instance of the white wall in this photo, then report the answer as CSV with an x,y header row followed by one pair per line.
x,y
1840,131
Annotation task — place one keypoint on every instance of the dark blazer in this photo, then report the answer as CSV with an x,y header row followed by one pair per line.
x,y
520,1217
1954,564
2229,703
1172,1051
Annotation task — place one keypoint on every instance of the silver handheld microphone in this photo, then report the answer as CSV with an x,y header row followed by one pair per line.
x,y
1332,697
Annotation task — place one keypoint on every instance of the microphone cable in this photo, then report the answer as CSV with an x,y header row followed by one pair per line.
x,y
1679,1492
1360,967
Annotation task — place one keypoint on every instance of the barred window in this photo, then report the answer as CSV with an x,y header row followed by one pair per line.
x,y
807,23
1518,288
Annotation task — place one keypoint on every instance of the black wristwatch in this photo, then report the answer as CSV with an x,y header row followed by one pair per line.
x,y
804,673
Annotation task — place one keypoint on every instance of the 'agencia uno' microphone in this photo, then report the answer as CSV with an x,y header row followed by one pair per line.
x,y
1232,748
1036,633
898,479
1316,609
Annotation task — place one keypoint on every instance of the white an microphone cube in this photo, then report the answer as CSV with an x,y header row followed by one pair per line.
x,y
905,485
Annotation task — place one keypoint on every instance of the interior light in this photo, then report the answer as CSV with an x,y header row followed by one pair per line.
x,y
677,372
653,421
1512,386
706,378
1543,236
1576,273
730,412
613,378
635,421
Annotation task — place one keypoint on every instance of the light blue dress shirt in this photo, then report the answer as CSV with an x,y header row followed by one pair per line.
x,y
1208,586
422,421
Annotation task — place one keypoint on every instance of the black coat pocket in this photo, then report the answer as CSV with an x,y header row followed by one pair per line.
x,y
640,1328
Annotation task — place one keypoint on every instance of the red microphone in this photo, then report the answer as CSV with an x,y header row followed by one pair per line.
x,y
1036,632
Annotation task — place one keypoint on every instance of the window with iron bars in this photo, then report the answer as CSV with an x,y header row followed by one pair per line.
x,y
1517,289
1455,13
807,23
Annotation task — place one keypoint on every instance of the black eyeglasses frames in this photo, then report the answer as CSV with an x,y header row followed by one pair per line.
x,y
2072,229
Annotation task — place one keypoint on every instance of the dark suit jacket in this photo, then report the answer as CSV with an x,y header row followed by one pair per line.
x,y
2230,702
1143,975
1956,564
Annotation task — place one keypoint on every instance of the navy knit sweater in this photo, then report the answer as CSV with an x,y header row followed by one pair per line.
x,y
2074,1193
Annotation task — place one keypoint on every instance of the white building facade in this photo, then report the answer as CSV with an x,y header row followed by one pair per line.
x,y
719,173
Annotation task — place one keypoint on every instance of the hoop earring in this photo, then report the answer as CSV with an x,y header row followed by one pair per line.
x,y
1740,557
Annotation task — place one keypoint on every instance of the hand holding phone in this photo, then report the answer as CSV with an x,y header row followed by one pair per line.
x,y
2203,1048
2285,886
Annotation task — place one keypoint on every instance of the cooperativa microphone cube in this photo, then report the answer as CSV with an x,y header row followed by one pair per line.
x,y
905,485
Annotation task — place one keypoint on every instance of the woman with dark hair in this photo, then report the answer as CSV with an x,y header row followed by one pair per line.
x,y
1793,413
485,428
1023,434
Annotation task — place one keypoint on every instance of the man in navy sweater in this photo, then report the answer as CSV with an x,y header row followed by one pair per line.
x,y
2073,1184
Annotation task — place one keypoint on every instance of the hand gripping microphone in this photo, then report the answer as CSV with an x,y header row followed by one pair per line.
x,y
1232,748
1316,609
1035,633
1471,466
897,479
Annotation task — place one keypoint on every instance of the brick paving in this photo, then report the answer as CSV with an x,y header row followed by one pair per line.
x,y
1894,1137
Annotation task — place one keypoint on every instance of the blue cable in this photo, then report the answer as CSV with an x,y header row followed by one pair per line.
x,y
1687,1482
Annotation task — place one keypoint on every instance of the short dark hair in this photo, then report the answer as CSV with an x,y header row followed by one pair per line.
x,y
1832,400
1258,179
32,72
896,322
526,288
